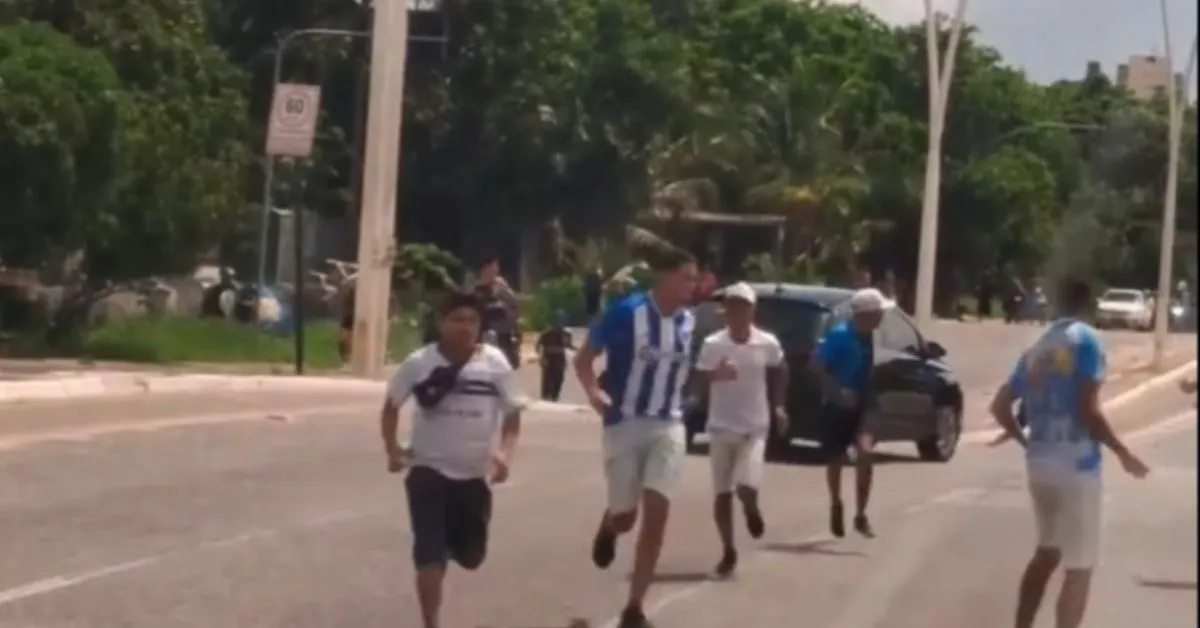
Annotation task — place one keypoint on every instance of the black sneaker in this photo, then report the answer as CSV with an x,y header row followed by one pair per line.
x,y
863,526
754,523
604,548
837,520
728,564
634,618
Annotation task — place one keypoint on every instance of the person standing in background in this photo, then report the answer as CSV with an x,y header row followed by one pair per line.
x,y
593,292
552,347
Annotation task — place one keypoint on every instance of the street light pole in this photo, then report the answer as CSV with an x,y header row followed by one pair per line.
x,y
939,91
1170,197
381,173
269,166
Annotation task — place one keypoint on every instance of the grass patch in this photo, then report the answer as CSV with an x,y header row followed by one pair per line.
x,y
184,340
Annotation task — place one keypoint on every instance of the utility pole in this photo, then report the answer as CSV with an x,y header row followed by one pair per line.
x,y
381,173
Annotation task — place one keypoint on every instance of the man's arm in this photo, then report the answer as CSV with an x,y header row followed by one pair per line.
x,y
514,402
822,358
1002,411
777,377
398,390
1092,369
599,338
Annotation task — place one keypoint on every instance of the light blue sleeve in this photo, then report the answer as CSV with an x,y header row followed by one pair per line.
x,y
1018,379
604,333
1091,362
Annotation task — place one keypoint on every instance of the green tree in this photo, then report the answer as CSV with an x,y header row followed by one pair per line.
x,y
59,113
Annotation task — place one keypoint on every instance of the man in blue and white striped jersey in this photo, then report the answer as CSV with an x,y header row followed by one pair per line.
x,y
647,337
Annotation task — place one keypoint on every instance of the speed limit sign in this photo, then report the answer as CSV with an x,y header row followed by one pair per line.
x,y
293,123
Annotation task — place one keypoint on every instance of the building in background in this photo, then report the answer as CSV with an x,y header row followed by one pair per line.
x,y
1146,76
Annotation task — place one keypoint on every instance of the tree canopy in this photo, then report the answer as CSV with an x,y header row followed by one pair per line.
x,y
129,127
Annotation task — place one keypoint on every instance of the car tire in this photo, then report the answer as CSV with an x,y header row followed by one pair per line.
x,y
941,446
689,439
778,447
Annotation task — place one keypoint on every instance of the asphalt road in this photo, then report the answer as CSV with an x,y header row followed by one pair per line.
x,y
260,511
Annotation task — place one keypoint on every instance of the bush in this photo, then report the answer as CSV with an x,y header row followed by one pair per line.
x,y
563,294
167,340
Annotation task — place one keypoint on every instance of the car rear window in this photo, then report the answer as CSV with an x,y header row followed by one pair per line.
x,y
1122,296
794,322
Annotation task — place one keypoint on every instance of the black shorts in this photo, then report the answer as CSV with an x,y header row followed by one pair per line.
x,y
839,429
450,519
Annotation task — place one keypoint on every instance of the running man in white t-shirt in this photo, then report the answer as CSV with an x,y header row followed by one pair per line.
x,y
464,391
744,369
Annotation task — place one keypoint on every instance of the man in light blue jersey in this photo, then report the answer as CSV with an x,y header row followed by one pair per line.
x,y
647,339
1057,381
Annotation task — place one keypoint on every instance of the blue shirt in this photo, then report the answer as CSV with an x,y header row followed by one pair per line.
x,y
1048,380
846,357
647,358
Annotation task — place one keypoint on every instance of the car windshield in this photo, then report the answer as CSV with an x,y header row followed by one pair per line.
x,y
791,320
1122,296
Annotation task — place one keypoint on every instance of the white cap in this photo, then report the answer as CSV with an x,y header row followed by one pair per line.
x,y
741,290
869,300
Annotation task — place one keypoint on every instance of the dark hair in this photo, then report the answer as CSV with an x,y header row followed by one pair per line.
x,y
669,259
461,299
1074,296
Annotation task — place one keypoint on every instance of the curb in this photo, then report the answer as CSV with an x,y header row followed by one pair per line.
x,y
985,435
121,385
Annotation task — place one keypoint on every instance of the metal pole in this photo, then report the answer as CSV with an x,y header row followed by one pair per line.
x,y
300,274
381,173
269,165
939,91
1166,257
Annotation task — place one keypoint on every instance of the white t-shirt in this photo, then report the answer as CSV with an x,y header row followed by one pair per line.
x,y
740,405
457,437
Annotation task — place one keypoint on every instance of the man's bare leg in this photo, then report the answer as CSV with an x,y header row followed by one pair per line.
x,y
723,517
833,479
656,510
429,594
1073,599
1033,584
864,477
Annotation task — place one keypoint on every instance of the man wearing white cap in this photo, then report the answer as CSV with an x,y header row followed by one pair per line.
x,y
845,360
742,369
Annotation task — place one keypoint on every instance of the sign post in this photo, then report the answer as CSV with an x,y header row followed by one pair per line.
x,y
290,132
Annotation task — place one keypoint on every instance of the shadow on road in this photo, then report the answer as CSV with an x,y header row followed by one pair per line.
x,y
1166,585
681,577
812,547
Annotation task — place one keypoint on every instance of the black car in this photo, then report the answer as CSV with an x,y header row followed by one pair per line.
x,y
915,397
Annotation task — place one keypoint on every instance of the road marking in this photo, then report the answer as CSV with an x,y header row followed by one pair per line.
x,y
1171,425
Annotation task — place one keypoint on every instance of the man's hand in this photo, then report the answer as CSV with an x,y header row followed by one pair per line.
x,y
499,467
1134,465
398,458
599,400
725,371
781,421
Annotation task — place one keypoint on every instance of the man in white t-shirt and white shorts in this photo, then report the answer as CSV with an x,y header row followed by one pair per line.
x,y
743,371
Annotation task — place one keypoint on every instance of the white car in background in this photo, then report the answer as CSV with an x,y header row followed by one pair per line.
x,y
1125,307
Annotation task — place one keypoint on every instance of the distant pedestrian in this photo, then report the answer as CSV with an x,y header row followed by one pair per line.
x,y
1057,382
593,292
552,346
346,332
464,389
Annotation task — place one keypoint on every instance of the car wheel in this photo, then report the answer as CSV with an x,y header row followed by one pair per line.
x,y
940,447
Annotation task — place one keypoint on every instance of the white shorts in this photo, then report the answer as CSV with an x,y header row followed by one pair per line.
x,y
642,454
736,459
1069,515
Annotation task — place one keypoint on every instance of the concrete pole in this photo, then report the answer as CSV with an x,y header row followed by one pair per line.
x,y
1166,257
939,92
381,173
